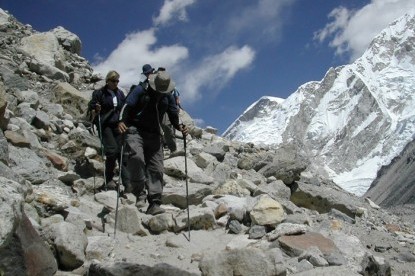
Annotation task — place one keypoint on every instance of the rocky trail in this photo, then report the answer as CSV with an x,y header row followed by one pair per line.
x,y
253,210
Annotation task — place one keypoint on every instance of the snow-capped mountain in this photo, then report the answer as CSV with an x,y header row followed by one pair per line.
x,y
255,121
352,122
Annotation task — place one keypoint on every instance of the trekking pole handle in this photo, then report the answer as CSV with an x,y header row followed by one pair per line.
x,y
182,128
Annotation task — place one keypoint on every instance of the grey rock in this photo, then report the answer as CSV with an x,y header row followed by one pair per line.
x,y
29,165
249,261
41,120
234,227
178,196
97,269
372,265
4,150
406,257
257,232
308,196
328,271
276,189
70,243
68,40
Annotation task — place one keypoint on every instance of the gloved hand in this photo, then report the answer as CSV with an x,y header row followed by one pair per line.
x,y
97,108
183,129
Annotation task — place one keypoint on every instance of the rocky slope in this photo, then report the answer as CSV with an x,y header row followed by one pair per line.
x,y
251,210
395,184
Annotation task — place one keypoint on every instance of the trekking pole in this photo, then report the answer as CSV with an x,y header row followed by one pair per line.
x,y
94,183
119,185
187,188
102,148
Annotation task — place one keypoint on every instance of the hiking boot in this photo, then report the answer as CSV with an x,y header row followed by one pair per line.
x,y
154,209
141,201
112,185
101,188
123,194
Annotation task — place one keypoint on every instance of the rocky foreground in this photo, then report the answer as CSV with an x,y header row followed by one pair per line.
x,y
251,210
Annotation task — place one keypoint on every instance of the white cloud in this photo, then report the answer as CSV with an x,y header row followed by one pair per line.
x,y
208,74
214,72
170,9
351,31
134,51
199,122
261,18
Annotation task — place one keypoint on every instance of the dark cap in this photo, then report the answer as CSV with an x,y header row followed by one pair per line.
x,y
147,69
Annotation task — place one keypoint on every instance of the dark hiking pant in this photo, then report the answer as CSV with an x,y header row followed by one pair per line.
x,y
145,162
112,143
169,137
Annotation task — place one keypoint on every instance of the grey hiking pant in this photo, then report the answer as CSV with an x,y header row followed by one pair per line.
x,y
144,152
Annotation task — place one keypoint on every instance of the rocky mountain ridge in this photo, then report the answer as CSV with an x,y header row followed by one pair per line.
x,y
251,210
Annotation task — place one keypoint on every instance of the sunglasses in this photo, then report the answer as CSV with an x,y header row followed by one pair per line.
x,y
116,81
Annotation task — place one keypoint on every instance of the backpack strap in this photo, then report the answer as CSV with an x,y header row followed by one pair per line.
x,y
144,85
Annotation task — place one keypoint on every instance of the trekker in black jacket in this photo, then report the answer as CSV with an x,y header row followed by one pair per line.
x,y
140,120
169,139
106,103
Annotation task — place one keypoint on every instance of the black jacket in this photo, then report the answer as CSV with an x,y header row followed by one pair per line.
x,y
144,108
109,113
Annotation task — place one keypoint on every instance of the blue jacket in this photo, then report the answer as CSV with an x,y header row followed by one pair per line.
x,y
145,108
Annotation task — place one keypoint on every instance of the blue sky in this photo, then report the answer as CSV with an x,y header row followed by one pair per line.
x,y
223,55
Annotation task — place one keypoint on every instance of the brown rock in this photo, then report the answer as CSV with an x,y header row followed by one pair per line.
x,y
392,228
336,224
16,139
221,210
58,161
297,244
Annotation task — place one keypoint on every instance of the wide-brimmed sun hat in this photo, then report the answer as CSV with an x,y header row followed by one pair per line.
x,y
161,82
147,69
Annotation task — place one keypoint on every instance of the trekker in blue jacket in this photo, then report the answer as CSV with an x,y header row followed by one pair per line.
x,y
140,120
106,103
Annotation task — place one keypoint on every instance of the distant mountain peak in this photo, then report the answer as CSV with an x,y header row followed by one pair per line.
x,y
355,120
